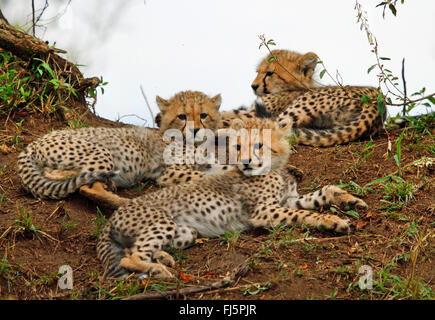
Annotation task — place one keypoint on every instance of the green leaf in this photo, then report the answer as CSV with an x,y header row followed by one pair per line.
x,y
392,8
383,179
272,59
322,73
431,99
384,58
352,213
371,68
381,108
365,98
398,155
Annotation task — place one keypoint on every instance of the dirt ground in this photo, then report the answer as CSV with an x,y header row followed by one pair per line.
x,y
284,263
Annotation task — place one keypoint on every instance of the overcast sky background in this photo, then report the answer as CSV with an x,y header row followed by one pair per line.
x,y
212,46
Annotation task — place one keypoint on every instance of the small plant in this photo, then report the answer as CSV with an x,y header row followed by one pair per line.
x,y
391,286
99,222
49,279
3,198
17,141
77,124
346,271
314,185
401,191
256,289
179,255
67,225
397,193
24,223
355,188
366,153
333,294
431,148
229,238
4,266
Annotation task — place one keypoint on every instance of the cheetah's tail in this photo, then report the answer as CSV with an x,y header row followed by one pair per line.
x,y
110,253
33,179
360,128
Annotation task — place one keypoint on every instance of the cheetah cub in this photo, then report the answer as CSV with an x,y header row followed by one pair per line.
x,y
321,116
136,236
62,162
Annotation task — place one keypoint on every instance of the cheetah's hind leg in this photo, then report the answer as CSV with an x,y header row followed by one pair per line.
x,y
98,193
137,263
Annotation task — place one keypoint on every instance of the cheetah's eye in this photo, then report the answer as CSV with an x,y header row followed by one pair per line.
x,y
269,73
203,115
182,116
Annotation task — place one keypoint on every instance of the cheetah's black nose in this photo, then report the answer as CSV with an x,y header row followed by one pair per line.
x,y
254,87
194,131
246,162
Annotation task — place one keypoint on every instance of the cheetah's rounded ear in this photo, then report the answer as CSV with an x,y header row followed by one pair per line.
x,y
162,103
217,100
237,124
285,127
308,63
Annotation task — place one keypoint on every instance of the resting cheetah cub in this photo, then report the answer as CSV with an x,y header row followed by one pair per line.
x,y
136,235
62,162
321,116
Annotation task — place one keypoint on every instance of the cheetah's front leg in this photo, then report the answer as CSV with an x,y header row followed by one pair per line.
x,y
273,215
327,196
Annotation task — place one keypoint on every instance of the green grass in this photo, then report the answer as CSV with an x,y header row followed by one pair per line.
x,y
37,86
397,194
229,238
99,222
389,285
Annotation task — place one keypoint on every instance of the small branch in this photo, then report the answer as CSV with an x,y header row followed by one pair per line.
x,y
239,271
33,17
410,101
184,291
148,105
130,115
404,87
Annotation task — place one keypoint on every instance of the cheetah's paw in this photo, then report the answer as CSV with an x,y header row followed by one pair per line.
x,y
164,258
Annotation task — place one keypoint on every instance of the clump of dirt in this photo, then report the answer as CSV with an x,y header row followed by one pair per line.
x,y
394,240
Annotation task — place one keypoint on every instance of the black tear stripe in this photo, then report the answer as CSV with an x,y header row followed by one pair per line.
x,y
265,91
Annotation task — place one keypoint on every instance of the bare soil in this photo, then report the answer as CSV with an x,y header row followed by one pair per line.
x,y
277,264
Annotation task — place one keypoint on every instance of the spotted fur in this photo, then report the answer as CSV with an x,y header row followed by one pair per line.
x,y
138,233
61,162
321,116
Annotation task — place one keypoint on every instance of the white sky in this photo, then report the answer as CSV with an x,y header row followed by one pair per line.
x,y
212,46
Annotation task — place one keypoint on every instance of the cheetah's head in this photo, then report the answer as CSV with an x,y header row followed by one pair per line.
x,y
191,110
284,70
260,145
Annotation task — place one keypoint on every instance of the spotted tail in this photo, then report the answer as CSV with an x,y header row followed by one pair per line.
x,y
363,126
33,179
